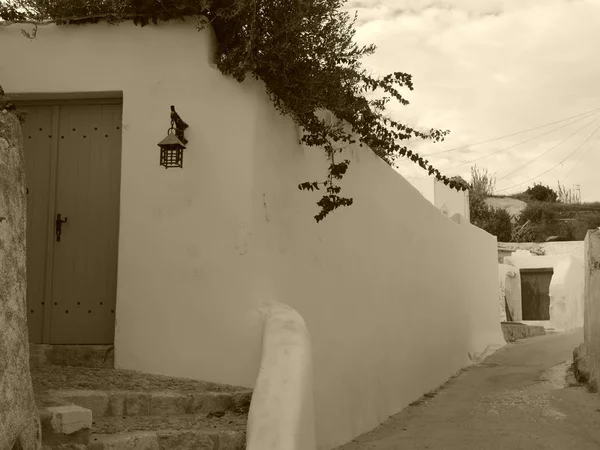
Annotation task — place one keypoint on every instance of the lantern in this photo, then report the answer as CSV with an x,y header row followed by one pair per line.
x,y
171,150
171,147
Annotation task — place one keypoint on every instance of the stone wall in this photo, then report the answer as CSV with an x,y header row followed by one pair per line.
x,y
592,304
19,422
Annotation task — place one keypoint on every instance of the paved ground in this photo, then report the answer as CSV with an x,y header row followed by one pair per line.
x,y
522,397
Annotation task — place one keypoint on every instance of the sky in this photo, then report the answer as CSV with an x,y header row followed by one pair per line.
x,y
485,69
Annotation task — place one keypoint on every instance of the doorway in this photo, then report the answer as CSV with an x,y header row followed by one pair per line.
x,y
535,293
73,172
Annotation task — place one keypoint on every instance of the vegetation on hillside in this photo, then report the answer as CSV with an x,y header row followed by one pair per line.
x,y
495,221
549,215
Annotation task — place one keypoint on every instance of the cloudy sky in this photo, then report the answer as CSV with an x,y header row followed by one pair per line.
x,y
490,68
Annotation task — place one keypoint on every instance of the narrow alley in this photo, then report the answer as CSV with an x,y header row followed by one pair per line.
x,y
522,397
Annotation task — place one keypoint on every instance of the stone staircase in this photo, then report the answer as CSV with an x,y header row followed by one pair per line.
x,y
99,408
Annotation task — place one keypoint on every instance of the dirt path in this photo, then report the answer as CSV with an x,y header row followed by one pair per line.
x,y
522,397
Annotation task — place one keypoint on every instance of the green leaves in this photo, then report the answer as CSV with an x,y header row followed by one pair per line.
x,y
308,186
329,203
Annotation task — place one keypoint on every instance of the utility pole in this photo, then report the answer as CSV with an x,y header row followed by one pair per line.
x,y
577,190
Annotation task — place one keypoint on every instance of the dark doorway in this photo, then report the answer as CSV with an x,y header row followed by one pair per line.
x,y
535,293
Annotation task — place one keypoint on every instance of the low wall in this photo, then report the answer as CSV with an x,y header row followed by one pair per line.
x,y
515,331
592,305
573,248
281,413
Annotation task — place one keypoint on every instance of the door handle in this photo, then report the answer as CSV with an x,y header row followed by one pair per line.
x,y
59,222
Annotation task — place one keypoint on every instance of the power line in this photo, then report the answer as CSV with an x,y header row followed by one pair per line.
x,y
555,166
509,135
577,163
513,146
547,151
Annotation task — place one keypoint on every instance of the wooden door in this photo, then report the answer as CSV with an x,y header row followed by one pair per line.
x,y
535,293
73,169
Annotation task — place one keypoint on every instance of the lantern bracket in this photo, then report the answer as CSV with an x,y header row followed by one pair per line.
x,y
178,125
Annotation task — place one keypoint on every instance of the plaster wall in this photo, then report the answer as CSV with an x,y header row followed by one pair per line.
x,y
425,186
449,201
573,248
202,247
510,290
281,414
566,288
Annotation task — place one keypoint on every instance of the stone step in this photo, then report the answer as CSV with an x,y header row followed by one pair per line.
x,y
515,330
56,377
169,440
108,409
193,432
158,403
93,356
73,427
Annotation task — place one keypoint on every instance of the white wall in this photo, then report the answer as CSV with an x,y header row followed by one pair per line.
x,y
573,248
455,202
566,287
426,186
450,201
510,290
394,294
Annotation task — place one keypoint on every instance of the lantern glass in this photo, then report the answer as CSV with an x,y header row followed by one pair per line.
x,y
171,156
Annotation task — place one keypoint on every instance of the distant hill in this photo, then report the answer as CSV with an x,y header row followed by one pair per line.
x,y
512,205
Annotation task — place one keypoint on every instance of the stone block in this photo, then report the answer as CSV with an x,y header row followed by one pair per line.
x,y
185,440
64,426
117,404
98,356
37,355
69,419
96,401
231,440
214,402
514,330
581,369
168,403
137,404
137,440
241,401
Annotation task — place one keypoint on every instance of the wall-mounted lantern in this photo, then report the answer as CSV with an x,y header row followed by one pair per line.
x,y
171,147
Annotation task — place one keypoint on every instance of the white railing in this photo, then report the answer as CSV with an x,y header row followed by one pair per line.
x,y
281,413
